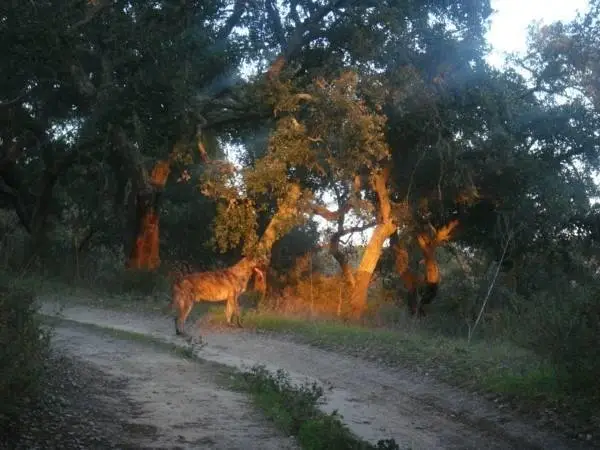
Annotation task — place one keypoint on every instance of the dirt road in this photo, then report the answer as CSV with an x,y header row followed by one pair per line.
x,y
178,402
375,402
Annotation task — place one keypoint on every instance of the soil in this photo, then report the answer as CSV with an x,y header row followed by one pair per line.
x,y
123,394
375,402
82,408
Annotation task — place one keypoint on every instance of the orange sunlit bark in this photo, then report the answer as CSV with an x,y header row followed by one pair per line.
x,y
276,68
145,250
426,286
383,230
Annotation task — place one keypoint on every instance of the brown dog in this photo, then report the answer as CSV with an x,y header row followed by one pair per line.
x,y
226,284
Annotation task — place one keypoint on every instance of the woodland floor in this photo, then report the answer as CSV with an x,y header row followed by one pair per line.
x,y
376,402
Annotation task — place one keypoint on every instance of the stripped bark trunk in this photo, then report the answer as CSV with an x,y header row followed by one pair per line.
x,y
286,215
144,250
358,282
383,230
367,266
411,280
422,290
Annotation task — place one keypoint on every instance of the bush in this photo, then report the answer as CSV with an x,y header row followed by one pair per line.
x,y
317,295
134,282
24,347
563,326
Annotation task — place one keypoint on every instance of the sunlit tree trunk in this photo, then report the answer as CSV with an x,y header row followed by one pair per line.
x,y
367,266
144,250
383,230
422,290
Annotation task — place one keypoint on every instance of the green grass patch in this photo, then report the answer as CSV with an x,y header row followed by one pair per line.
x,y
494,367
295,410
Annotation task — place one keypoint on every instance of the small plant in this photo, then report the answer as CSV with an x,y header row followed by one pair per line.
x,y
295,410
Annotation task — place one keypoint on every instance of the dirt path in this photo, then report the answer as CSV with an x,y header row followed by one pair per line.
x,y
178,402
375,402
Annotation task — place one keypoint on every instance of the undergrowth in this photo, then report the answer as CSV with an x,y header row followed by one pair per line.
x,y
295,410
526,378
24,348
509,373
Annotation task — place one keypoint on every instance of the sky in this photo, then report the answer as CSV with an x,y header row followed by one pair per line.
x,y
508,28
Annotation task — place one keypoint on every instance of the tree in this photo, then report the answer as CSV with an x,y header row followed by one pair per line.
x,y
82,97
334,137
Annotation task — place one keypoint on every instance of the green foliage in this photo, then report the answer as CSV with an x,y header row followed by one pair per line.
x,y
24,346
185,226
141,283
325,132
236,225
296,243
565,55
295,411
564,332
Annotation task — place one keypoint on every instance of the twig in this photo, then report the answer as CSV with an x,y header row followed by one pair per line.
x,y
490,288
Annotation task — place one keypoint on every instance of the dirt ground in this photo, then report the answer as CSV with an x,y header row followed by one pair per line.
x,y
177,402
375,402
82,408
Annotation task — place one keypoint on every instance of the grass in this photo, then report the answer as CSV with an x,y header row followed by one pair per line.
x,y
493,367
294,409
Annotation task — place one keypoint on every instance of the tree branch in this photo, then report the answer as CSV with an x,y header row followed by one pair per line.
x,y
302,35
294,12
13,101
132,157
327,214
275,18
379,183
97,7
9,156
234,19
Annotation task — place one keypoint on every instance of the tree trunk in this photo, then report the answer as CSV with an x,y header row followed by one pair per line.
x,y
422,290
340,257
144,249
284,218
410,280
367,266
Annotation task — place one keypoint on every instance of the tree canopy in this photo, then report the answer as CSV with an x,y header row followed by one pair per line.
x,y
118,115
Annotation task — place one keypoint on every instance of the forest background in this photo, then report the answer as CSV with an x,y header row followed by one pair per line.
x,y
402,172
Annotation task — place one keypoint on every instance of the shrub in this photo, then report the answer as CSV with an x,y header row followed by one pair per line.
x,y
563,326
317,295
137,282
295,410
24,347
